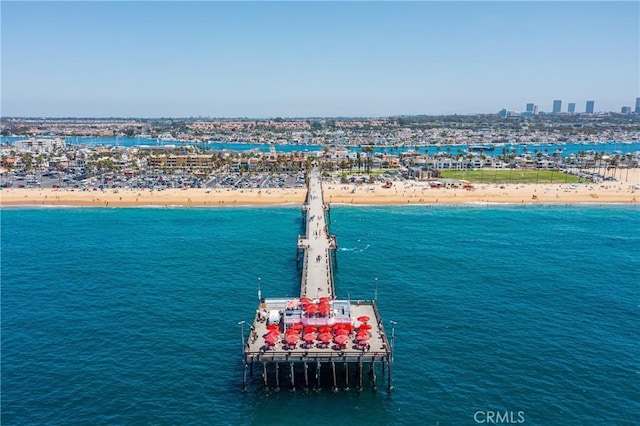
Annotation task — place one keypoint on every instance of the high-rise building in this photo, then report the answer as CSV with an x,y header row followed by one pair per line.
x,y
557,106
589,108
637,105
625,110
532,109
571,107
503,113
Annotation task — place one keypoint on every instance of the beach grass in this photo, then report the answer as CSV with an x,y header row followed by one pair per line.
x,y
511,176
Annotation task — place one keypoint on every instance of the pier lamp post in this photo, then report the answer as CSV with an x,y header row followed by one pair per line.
x,y
393,335
244,361
241,324
375,293
259,291
390,362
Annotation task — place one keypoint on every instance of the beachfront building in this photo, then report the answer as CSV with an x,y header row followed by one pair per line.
x,y
40,146
557,106
181,161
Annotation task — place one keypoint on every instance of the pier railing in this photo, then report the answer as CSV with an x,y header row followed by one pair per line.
x,y
288,315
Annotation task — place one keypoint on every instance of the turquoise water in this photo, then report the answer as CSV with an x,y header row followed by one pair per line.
x,y
129,316
621,147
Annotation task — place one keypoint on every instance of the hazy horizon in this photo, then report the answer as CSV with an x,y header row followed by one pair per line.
x,y
315,59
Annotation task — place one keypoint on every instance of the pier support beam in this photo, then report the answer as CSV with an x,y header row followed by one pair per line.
x,y
374,384
335,384
389,386
360,375
277,377
346,376
318,377
293,384
306,377
265,376
244,376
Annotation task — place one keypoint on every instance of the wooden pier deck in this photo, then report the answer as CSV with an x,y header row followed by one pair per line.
x,y
317,335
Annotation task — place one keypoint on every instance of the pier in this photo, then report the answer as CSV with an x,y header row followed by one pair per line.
x,y
317,340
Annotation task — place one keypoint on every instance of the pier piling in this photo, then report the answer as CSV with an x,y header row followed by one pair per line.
x,y
318,310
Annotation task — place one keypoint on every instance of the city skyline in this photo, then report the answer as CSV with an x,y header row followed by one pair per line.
x,y
294,59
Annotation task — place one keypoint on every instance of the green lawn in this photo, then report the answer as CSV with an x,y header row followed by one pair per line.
x,y
511,176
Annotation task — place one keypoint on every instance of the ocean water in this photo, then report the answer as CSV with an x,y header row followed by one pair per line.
x,y
130,316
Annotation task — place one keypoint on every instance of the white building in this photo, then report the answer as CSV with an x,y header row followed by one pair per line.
x,y
40,146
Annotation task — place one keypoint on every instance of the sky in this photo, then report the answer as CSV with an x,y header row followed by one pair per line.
x,y
314,59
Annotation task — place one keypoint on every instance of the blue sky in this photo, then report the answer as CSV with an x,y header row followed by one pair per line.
x,y
299,59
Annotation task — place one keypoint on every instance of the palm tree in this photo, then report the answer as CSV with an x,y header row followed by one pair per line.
x,y
598,159
369,160
555,162
581,155
539,155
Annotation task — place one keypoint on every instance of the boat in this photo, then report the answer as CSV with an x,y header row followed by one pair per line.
x,y
481,148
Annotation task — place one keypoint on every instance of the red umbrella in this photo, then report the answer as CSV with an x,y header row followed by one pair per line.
x,y
310,337
365,327
275,332
297,326
338,327
341,340
273,327
271,338
342,332
363,337
324,308
305,300
348,327
292,339
325,300
324,329
309,329
325,337
311,309
363,318
291,331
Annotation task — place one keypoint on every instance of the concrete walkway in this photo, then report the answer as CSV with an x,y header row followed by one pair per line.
x,y
317,274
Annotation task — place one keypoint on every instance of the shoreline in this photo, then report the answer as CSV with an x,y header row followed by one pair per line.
x,y
402,193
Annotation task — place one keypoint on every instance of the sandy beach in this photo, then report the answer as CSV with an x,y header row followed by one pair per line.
x,y
401,193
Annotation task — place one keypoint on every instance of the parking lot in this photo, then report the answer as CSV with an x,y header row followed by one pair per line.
x,y
157,180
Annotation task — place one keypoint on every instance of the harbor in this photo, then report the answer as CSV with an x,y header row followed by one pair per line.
x,y
317,340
